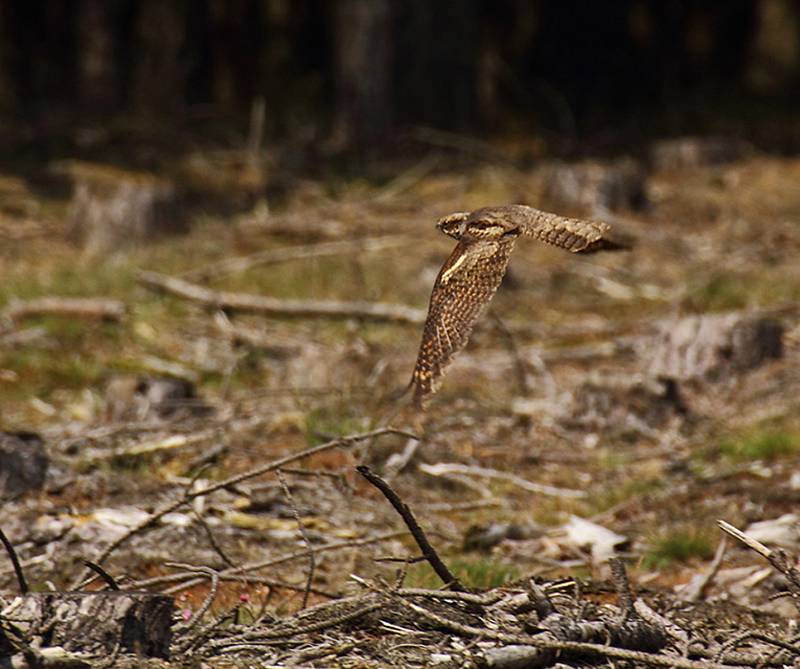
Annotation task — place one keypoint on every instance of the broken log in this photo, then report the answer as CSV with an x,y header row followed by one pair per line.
x,y
94,623
271,306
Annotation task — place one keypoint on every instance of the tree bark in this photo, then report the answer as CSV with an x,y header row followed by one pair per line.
x,y
94,622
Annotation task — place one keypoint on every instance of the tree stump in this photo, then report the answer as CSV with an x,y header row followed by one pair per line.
x,y
113,208
23,463
95,623
710,347
595,186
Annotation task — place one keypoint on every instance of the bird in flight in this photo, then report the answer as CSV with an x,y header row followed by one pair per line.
x,y
474,270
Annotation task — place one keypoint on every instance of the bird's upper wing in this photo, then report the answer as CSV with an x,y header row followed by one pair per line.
x,y
574,234
466,283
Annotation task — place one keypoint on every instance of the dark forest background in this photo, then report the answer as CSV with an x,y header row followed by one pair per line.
x,y
357,76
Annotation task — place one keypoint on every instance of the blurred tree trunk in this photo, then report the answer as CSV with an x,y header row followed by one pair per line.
x,y
7,93
436,67
160,76
96,63
362,72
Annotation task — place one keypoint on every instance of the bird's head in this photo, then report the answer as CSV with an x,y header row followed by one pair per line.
x,y
488,224
453,225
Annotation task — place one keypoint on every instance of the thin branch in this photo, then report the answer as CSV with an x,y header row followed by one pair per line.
x,y
188,496
271,306
102,573
312,561
780,560
12,554
419,536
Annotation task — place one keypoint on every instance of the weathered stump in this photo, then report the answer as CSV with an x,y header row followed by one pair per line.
x,y
23,463
710,347
95,623
593,186
113,208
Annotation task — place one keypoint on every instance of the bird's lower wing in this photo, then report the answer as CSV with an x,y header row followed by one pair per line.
x,y
463,289
573,234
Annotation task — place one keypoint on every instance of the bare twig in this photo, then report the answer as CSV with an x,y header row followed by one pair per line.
x,y
523,387
188,496
312,561
212,574
213,540
780,560
70,307
260,304
12,555
102,573
416,531
263,564
540,642
695,589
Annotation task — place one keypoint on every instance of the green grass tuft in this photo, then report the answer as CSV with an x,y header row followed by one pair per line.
x,y
480,573
761,446
680,545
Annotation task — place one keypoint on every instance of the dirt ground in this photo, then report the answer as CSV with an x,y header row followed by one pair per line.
x,y
555,441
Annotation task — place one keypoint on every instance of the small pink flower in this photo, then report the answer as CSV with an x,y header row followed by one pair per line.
x,y
244,597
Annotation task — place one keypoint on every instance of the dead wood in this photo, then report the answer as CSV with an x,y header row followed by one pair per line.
x,y
712,346
416,531
270,306
188,496
780,560
94,622
12,555
87,308
53,657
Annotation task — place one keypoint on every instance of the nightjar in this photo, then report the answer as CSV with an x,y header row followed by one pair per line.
x,y
474,270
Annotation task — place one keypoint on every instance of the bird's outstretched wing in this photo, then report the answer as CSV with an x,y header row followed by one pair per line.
x,y
573,234
465,285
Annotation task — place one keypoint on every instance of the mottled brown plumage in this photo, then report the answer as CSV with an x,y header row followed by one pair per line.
x,y
474,270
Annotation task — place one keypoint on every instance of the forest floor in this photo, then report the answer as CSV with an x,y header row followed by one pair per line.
x,y
545,452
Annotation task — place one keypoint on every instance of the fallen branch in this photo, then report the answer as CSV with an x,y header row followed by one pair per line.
x,y
271,306
416,531
443,468
89,308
